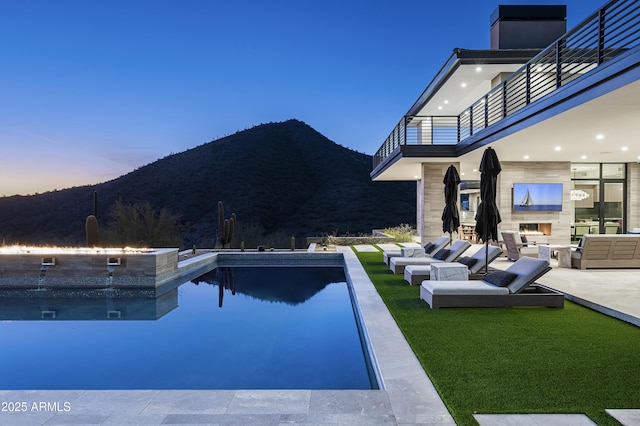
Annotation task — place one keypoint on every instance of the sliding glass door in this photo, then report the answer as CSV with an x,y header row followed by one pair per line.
x,y
598,199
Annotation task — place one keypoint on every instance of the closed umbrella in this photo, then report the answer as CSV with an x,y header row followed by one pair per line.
x,y
488,216
450,215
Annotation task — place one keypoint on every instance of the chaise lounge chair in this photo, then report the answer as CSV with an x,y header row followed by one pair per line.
x,y
397,264
429,250
415,274
513,287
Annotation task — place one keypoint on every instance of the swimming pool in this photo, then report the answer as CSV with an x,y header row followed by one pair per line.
x,y
233,328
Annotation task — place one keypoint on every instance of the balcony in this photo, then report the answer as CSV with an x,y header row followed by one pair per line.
x,y
609,33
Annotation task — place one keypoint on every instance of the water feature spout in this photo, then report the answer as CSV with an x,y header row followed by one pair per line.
x,y
112,262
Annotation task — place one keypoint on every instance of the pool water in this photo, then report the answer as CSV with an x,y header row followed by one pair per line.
x,y
234,328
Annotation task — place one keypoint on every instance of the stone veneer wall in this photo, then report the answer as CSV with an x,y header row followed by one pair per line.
x,y
536,172
430,201
633,196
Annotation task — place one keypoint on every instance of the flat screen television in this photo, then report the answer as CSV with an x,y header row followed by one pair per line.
x,y
537,197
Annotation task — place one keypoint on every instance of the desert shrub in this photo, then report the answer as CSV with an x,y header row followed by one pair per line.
x,y
402,233
140,225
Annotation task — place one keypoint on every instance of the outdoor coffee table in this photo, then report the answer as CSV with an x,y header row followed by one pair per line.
x,y
546,251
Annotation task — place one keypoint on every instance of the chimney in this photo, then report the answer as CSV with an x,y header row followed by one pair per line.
x,y
527,27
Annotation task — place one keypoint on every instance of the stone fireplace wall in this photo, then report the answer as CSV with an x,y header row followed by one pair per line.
x,y
538,172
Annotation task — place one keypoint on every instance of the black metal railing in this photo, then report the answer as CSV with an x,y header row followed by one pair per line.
x,y
606,34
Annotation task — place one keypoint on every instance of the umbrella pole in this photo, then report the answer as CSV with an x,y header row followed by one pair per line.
x,y
486,257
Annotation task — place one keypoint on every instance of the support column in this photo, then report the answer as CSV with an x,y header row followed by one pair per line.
x,y
430,201
633,196
420,209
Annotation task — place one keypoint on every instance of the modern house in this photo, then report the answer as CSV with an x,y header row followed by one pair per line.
x,y
559,108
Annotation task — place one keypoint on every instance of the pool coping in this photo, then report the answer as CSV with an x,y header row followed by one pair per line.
x,y
413,397
408,396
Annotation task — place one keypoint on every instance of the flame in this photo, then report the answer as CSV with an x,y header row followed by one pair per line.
x,y
71,250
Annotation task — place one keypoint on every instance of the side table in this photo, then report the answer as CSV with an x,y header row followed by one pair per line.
x,y
448,271
546,251
412,252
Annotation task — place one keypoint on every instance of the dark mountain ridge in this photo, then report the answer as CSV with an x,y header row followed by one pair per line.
x,y
282,177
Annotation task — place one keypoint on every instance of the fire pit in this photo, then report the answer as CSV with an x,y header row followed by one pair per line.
x,y
22,266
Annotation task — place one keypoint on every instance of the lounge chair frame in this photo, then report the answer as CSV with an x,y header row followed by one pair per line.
x,y
398,264
531,294
441,242
416,278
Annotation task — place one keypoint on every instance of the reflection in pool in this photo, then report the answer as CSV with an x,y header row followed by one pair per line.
x,y
278,328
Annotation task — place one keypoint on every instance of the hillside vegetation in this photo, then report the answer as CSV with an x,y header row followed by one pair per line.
x,y
279,178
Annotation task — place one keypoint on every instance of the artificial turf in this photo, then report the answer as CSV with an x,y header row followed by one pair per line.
x,y
516,360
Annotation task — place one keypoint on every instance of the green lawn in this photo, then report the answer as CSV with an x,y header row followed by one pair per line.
x,y
516,360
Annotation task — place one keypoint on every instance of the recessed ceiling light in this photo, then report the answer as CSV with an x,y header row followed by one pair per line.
x,y
461,173
624,148
526,157
599,136
439,106
558,148
478,69
415,177
539,68
475,170
583,157
446,101
463,85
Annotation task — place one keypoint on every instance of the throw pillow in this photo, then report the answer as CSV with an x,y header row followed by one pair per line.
x,y
468,261
429,247
442,254
500,278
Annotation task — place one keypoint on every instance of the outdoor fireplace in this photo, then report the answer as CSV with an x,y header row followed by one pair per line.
x,y
535,229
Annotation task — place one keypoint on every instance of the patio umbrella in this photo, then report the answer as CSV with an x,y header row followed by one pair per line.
x,y
488,216
450,215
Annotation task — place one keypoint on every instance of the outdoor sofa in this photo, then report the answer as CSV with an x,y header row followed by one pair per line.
x,y
428,250
397,264
607,251
415,274
513,287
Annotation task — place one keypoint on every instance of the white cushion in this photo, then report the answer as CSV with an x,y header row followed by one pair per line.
x,y
404,261
418,269
462,287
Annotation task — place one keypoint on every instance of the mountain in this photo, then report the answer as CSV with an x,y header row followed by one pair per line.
x,y
277,177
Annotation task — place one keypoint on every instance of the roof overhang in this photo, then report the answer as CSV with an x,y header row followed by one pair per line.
x,y
466,77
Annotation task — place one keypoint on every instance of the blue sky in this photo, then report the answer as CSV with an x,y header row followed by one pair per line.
x,y
92,90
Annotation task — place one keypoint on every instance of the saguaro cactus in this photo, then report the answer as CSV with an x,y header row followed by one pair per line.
x,y
226,227
92,231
